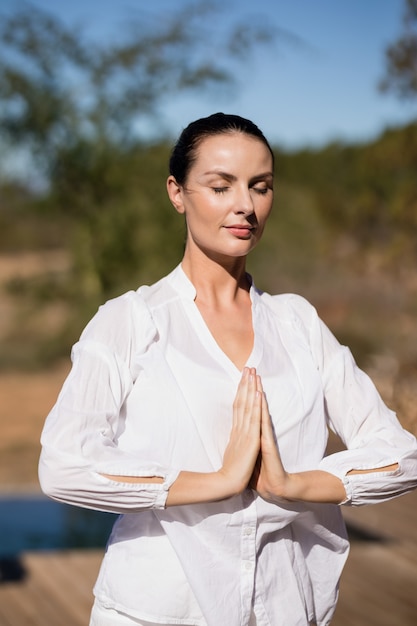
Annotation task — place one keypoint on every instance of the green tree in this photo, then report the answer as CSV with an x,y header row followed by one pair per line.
x,y
78,106
401,57
401,79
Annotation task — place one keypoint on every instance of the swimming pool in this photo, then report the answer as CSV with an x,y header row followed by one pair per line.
x,y
35,522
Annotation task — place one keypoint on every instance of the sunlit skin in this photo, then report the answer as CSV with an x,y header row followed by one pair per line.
x,y
226,201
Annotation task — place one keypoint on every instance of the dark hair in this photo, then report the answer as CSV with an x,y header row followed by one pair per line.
x,y
184,152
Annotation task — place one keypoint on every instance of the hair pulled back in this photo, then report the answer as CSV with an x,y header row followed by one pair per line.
x,y
184,152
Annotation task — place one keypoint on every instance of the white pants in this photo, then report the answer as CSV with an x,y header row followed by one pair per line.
x,y
101,616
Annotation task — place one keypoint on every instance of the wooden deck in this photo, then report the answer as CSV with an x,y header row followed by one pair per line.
x,y
54,591
379,584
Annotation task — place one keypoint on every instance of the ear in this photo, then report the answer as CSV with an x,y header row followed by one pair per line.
x,y
175,193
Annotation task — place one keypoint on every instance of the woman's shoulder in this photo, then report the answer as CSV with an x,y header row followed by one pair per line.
x,y
289,305
117,310
132,306
123,324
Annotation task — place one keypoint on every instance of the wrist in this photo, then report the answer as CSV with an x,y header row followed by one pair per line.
x,y
228,485
195,487
313,486
275,488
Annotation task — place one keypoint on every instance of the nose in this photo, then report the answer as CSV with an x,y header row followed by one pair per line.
x,y
244,202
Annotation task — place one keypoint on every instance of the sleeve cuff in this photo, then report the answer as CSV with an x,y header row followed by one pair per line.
x,y
154,493
161,498
349,491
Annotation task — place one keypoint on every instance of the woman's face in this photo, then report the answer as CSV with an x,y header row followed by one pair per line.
x,y
228,195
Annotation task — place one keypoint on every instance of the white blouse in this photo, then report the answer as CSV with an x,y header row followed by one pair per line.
x,y
150,393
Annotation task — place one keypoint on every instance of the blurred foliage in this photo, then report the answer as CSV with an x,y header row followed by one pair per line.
x,y
344,226
61,90
122,222
26,222
366,192
77,106
401,57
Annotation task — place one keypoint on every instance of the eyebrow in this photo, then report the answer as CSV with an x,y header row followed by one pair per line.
x,y
221,174
232,177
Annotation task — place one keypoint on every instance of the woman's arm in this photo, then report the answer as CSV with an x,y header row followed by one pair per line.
x,y
272,482
380,459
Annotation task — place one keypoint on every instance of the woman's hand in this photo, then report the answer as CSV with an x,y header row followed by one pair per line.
x,y
269,478
251,458
244,444
273,482
240,455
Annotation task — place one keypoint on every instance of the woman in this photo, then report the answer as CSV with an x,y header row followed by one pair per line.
x,y
199,408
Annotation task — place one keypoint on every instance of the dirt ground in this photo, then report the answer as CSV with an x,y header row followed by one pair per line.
x,y
26,399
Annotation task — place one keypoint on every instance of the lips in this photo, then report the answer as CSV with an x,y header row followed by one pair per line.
x,y
240,230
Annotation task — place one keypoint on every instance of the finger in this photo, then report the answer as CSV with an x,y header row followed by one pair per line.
x,y
266,423
269,445
247,408
255,473
241,395
255,416
254,398
246,391
259,383
251,396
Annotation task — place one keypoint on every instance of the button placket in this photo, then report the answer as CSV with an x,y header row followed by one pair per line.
x,y
248,556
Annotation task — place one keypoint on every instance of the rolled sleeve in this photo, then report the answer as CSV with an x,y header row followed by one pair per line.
x,y
373,486
372,434
67,480
355,411
80,436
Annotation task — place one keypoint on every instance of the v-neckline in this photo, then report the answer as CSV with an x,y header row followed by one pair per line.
x,y
185,287
210,343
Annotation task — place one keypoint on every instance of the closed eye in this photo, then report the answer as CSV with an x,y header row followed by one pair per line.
x,y
261,190
220,189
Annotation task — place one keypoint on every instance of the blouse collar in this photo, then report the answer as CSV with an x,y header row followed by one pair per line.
x,y
183,285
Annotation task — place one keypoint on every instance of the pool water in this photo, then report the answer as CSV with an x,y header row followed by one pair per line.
x,y
34,522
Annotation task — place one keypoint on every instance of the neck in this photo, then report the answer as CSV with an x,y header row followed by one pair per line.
x,y
216,280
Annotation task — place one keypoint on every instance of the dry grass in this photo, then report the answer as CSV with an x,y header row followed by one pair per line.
x,y
26,400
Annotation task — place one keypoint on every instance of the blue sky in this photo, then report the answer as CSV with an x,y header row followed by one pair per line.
x,y
299,95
